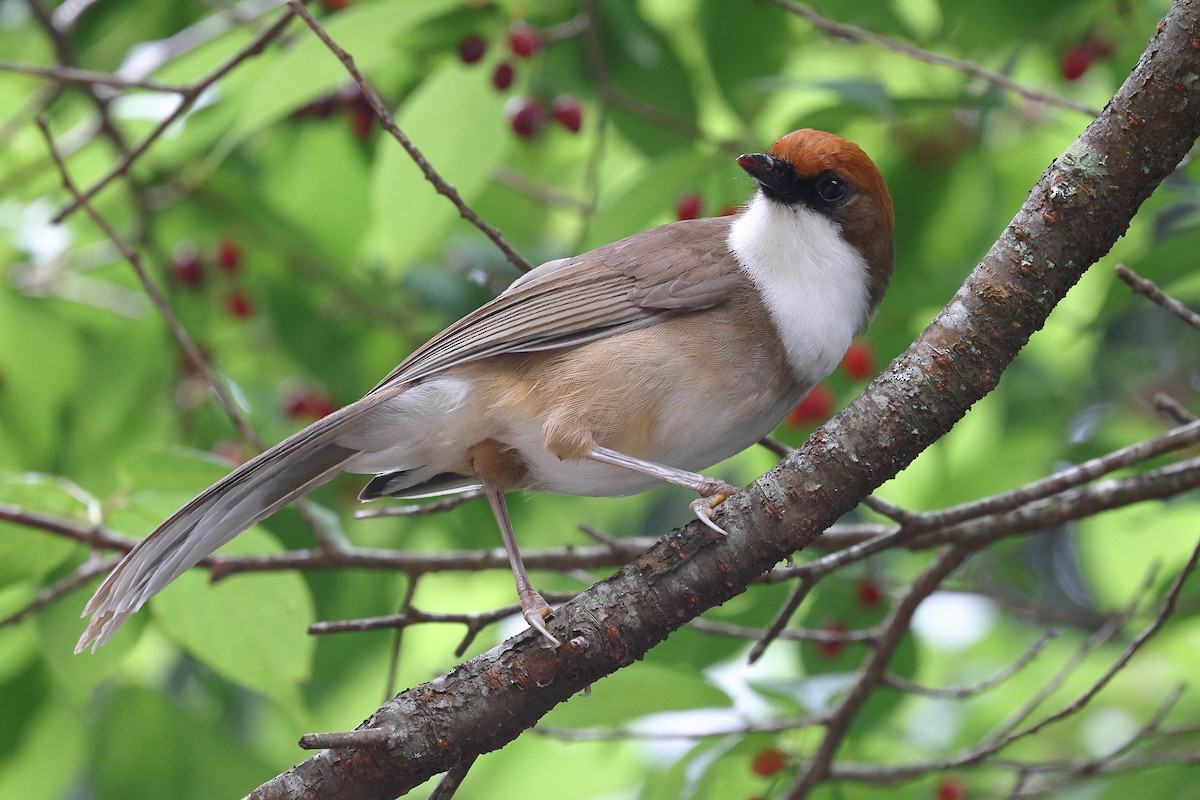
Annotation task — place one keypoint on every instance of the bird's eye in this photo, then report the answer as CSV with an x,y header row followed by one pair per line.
x,y
831,188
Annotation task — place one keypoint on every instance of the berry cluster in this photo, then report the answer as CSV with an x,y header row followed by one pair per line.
x,y
526,115
350,100
188,269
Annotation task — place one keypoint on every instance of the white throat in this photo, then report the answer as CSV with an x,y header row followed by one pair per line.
x,y
812,282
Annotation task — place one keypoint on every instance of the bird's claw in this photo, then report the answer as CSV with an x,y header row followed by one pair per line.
x,y
711,496
535,610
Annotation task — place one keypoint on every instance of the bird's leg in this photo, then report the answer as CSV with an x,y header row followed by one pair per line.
x,y
534,607
712,492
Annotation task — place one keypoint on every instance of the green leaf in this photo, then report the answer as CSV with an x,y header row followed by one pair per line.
x,y
1118,549
27,552
629,694
743,47
308,69
456,119
36,350
250,628
643,64
53,737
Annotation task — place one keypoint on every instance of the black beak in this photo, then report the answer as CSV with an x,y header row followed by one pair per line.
x,y
774,175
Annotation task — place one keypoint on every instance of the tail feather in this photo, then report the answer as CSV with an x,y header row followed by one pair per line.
x,y
252,492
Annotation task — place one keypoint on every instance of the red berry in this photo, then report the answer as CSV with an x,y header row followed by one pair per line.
x,y
729,211
1075,62
229,255
688,206
335,5
472,48
190,367
952,788
523,40
526,117
502,77
361,115
567,112
859,361
238,304
311,403
768,762
869,593
833,648
321,108
816,406
186,267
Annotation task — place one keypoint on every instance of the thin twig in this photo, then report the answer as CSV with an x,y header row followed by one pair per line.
x,y
853,33
389,124
76,75
61,588
979,687
1148,288
186,100
453,779
178,332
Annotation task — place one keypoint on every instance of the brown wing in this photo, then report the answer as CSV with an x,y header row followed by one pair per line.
x,y
634,283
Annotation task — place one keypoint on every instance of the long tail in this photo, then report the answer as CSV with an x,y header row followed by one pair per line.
x,y
252,492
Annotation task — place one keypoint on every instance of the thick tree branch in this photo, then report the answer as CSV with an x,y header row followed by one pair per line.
x,y
1082,204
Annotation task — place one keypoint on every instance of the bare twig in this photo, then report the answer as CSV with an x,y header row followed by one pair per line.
x,y
452,780
61,588
178,332
389,124
1148,288
62,74
852,33
186,100
970,690
736,729
340,739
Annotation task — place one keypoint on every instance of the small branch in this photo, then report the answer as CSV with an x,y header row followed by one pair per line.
x,y
372,738
389,124
852,33
75,75
1148,288
621,734
972,689
452,780
180,334
873,670
782,618
1172,409
186,100
1165,611
864,637
61,588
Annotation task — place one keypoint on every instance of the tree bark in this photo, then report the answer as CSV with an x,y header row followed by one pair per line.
x,y
1083,202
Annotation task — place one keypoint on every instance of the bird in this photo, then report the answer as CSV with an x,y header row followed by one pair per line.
x,y
602,374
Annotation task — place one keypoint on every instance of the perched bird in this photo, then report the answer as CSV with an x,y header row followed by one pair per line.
x,y
602,374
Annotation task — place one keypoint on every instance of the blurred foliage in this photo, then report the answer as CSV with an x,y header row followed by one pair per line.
x,y
346,260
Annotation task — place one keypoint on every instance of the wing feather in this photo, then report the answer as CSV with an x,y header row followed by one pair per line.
x,y
630,284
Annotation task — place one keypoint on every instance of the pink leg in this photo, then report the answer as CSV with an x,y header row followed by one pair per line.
x,y
534,607
712,492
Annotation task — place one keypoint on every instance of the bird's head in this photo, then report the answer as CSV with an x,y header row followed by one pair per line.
x,y
812,172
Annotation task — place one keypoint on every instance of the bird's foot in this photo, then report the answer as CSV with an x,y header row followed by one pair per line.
x,y
536,610
712,494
